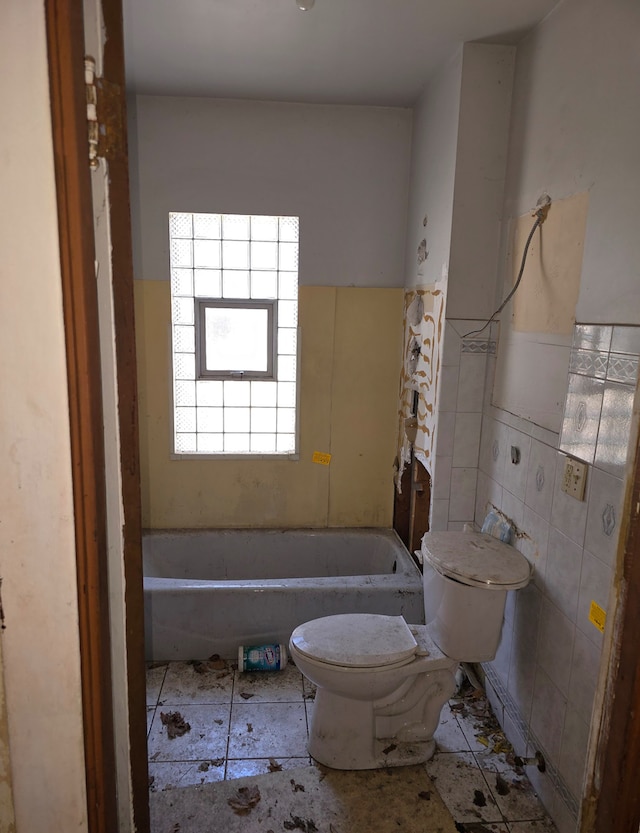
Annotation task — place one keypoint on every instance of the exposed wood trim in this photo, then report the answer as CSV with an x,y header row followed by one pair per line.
x,y
613,804
111,91
65,38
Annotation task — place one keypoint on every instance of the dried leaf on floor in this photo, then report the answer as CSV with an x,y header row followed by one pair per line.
x,y
204,767
244,800
481,739
245,695
502,787
425,795
217,762
297,787
274,766
216,662
219,722
198,666
298,823
389,748
249,727
175,723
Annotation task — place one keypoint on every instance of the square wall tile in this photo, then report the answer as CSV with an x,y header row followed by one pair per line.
x,y
604,514
515,474
595,586
626,340
493,445
547,714
585,670
466,443
541,474
555,645
463,494
562,575
592,336
581,418
614,434
573,752
441,478
568,514
471,383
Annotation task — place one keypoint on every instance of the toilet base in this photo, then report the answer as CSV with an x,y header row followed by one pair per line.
x,y
386,753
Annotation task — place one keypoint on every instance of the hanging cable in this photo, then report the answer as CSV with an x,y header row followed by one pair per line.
x,y
541,216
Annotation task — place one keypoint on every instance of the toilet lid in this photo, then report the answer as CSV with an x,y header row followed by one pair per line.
x,y
356,640
476,559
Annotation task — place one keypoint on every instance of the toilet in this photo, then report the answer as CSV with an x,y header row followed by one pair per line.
x,y
382,683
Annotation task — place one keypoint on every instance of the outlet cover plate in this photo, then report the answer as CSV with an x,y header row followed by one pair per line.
x,y
574,478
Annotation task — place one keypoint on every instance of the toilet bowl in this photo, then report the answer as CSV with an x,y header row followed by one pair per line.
x,y
381,683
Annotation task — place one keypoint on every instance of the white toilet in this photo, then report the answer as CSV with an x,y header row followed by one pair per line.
x,y
381,683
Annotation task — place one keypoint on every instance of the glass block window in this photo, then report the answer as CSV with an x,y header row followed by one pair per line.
x,y
234,302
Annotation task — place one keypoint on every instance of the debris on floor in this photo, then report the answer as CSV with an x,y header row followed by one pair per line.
x,y
175,723
298,823
274,766
244,800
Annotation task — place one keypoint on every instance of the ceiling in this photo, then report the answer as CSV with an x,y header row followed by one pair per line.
x,y
376,52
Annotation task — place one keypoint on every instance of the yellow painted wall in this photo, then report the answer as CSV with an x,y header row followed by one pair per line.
x,y
351,341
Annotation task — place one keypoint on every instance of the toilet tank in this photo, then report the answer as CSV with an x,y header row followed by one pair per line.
x,y
466,578
464,622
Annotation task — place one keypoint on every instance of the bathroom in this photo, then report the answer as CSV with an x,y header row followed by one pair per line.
x,y
490,146
352,298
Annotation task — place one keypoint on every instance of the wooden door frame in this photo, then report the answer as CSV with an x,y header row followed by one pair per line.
x,y
65,43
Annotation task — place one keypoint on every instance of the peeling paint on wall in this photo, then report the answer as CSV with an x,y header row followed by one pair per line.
x,y
423,336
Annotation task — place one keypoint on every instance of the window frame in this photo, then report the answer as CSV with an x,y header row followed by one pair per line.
x,y
201,307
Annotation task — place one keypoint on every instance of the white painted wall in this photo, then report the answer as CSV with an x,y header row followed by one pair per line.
x,y
343,170
37,549
433,165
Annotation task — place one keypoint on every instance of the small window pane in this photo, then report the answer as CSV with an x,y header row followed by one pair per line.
x,y
287,339
264,255
289,228
288,286
180,225
286,420
207,283
264,284
210,443
209,394
235,254
181,253
237,443
286,368
263,420
264,394
286,443
264,443
186,443
236,339
287,313
235,226
288,257
210,420
264,228
185,419
183,311
235,284
206,254
206,226
184,339
185,393
286,395
237,420
182,282
237,393
185,365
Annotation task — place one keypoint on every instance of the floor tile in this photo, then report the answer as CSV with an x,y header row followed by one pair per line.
x,y
174,774
242,767
463,788
477,721
544,825
268,730
197,682
449,736
155,676
268,686
206,740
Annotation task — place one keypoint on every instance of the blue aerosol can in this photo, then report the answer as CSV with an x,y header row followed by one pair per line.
x,y
262,657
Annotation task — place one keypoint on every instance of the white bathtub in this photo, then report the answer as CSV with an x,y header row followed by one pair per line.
x,y
208,591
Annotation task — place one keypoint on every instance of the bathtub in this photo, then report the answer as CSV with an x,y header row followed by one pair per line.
x,y
208,591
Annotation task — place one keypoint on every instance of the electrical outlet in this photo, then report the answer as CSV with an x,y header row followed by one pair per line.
x,y
574,478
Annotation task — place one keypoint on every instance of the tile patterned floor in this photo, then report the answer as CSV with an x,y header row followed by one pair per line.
x,y
253,723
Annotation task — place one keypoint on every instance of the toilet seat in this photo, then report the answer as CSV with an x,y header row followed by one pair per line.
x,y
356,640
476,559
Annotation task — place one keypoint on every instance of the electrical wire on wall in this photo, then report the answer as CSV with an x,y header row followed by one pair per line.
x,y
542,209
